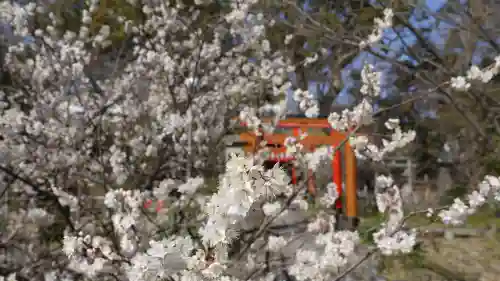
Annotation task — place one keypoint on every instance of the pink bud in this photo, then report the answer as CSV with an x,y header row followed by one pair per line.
x,y
148,203
159,205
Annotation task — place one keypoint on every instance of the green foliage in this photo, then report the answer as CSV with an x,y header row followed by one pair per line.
x,y
415,259
367,14
3,224
484,217
69,15
330,19
211,186
458,191
368,226
55,233
491,161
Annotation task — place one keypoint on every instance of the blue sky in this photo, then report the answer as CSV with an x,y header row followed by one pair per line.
x,y
435,4
436,36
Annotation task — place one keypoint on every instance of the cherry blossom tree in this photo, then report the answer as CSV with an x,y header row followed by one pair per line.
x,y
80,154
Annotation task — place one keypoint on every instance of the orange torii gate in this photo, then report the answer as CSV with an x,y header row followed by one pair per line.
x,y
319,133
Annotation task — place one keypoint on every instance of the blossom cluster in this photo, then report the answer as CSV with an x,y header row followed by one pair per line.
x,y
463,83
241,187
380,25
457,213
307,103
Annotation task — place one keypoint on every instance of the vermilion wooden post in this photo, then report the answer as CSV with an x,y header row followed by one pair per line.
x,y
337,176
